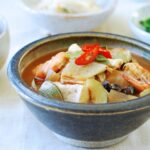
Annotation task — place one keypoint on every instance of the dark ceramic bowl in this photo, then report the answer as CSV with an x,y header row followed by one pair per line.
x,y
82,125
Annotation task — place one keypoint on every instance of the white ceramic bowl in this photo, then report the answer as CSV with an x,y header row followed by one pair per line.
x,y
61,23
136,28
4,41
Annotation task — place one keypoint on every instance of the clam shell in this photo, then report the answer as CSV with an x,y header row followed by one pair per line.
x,y
50,90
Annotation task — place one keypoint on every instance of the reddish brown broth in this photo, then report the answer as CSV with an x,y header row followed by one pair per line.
x,y
28,76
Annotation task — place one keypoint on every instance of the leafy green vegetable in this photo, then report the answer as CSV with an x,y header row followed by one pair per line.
x,y
146,24
101,58
147,29
74,55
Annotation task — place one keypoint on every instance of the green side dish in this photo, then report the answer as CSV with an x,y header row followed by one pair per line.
x,y
146,24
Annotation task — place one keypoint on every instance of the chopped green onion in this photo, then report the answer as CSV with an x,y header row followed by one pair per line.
x,y
74,55
101,58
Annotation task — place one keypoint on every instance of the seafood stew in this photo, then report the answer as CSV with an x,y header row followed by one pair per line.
x,y
90,74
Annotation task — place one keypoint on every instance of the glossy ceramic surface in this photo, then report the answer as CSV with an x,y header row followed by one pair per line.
x,y
84,125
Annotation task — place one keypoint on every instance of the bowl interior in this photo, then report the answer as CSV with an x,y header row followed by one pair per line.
x,y
58,42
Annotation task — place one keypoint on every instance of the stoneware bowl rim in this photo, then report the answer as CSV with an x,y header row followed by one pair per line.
x,y
101,109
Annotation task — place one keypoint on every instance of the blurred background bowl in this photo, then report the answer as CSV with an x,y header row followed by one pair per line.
x,y
135,26
4,41
61,23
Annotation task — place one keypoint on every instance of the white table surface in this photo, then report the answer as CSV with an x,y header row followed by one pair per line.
x,y
19,129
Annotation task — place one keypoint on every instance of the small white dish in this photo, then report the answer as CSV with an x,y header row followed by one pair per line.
x,y
4,41
62,23
134,23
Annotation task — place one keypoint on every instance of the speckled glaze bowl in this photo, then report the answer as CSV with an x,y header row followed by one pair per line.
x,y
84,125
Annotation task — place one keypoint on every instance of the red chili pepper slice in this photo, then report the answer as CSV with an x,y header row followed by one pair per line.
x,y
89,47
105,53
87,57
91,52
102,51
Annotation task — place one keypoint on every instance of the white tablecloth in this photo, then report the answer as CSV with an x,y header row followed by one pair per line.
x,y
19,129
